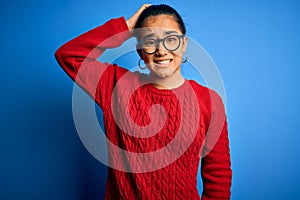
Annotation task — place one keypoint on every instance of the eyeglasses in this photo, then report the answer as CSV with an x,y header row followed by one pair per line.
x,y
171,43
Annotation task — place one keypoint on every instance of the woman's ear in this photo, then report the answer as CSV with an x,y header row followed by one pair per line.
x,y
184,44
139,51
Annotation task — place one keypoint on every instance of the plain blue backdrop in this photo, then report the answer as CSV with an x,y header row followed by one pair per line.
x,y
255,45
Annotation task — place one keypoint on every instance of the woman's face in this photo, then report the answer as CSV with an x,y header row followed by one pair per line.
x,y
162,63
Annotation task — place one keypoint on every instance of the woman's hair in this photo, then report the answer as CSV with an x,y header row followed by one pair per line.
x,y
161,9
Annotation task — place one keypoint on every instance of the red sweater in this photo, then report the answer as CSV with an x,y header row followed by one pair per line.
x,y
191,115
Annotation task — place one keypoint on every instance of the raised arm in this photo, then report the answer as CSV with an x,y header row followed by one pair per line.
x,y
216,165
78,57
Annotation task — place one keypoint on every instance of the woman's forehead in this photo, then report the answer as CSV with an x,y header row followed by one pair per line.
x,y
161,21
157,31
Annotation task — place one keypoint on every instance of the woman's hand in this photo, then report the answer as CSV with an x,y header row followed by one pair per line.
x,y
133,19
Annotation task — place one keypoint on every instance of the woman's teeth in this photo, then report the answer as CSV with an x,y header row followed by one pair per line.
x,y
163,62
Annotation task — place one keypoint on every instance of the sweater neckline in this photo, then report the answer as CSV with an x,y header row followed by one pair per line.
x,y
178,89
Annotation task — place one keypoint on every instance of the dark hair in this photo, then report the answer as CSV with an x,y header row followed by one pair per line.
x,y
161,9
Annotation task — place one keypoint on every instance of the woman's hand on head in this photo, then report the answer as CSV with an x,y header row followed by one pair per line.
x,y
133,19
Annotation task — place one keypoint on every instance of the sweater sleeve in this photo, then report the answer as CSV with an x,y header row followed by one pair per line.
x,y
78,58
215,164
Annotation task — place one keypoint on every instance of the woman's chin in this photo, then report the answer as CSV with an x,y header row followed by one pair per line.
x,y
161,75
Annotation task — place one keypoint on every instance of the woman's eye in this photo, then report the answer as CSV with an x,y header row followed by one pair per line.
x,y
171,39
149,42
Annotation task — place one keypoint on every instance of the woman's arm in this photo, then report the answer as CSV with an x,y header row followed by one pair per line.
x,y
78,58
216,165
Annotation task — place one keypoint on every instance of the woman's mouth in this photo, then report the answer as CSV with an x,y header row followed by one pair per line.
x,y
163,63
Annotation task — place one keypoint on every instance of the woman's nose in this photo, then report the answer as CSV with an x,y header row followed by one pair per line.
x,y
160,49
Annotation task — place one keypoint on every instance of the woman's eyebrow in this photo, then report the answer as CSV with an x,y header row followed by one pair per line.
x,y
149,35
170,32
166,32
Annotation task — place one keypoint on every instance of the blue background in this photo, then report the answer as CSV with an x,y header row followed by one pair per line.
x,y
255,45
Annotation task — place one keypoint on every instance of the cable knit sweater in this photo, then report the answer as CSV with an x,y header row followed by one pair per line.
x,y
191,115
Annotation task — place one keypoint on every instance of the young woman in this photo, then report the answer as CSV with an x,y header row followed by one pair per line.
x,y
163,122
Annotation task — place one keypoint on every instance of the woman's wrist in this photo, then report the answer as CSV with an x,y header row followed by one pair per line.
x,y
129,25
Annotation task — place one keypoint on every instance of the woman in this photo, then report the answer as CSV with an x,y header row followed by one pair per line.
x,y
145,113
